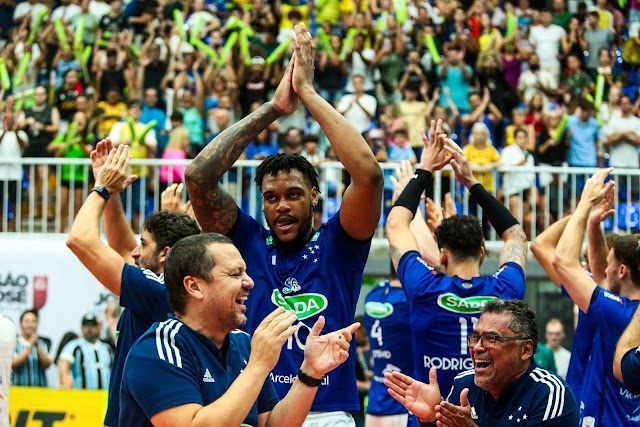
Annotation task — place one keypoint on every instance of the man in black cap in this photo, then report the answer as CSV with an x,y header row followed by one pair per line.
x,y
85,363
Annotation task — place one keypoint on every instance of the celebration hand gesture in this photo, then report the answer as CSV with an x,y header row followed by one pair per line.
x,y
450,415
419,398
305,53
324,353
595,189
113,174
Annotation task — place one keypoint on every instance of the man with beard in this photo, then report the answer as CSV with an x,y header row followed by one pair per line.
x,y
293,266
209,372
505,387
140,287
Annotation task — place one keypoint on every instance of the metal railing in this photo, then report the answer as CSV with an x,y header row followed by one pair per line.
x,y
47,203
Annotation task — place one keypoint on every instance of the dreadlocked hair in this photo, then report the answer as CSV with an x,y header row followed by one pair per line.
x,y
276,163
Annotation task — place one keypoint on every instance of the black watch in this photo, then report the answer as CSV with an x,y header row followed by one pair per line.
x,y
308,380
102,191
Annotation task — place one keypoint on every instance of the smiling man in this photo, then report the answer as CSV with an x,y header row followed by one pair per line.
x,y
505,386
198,369
295,267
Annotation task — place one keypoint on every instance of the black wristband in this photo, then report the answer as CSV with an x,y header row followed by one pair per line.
x,y
410,197
500,217
308,380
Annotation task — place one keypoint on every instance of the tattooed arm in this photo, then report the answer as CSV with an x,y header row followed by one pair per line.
x,y
515,246
215,209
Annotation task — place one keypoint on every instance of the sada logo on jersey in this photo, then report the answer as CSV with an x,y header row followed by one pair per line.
x,y
378,310
305,305
469,305
291,285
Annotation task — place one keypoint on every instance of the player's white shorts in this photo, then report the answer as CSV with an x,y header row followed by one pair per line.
x,y
399,420
329,419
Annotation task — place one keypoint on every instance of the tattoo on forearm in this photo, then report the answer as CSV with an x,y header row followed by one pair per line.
x,y
214,207
516,248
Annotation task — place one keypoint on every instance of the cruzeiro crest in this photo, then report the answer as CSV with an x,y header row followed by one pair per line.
x,y
291,285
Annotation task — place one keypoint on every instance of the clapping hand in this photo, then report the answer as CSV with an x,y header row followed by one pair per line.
x,y
434,156
450,415
113,174
595,189
419,398
171,200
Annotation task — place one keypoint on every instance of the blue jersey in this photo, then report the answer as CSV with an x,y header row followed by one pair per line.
x,y
386,318
145,301
445,310
537,398
630,367
605,401
90,363
580,352
173,365
322,277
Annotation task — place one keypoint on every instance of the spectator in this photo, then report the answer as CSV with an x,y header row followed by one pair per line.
x,y
76,143
561,16
114,111
358,108
546,39
482,111
292,141
331,71
31,358
110,74
311,150
574,41
178,148
143,144
12,144
502,348
544,358
554,335
455,74
66,98
583,130
519,121
519,186
536,80
575,81
483,159
621,137
413,112
85,363
597,38
8,336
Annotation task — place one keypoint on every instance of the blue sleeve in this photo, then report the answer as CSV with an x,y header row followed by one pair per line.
x,y
630,367
267,399
143,292
179,380
415,274
511,276
610,311
245,231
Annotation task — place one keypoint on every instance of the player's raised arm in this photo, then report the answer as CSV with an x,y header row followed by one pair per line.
x,y
360,210
215,209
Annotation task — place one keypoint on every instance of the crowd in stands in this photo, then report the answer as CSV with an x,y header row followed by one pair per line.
x,y
519,83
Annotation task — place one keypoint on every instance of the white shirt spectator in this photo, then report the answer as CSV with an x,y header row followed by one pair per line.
x,y
528,84
10,151
65,12
547,43
356,112
24,8
515,182
358,67
99,8
622,154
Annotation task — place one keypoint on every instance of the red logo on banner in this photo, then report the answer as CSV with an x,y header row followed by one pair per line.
x,y
40,286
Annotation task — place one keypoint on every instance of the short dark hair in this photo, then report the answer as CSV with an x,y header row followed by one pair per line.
x,y
169,227
30,311
189,256
134,103
276,163
624,250
523,319
177,116
462,235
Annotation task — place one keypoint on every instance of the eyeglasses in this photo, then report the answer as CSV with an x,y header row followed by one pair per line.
x,y
490,340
